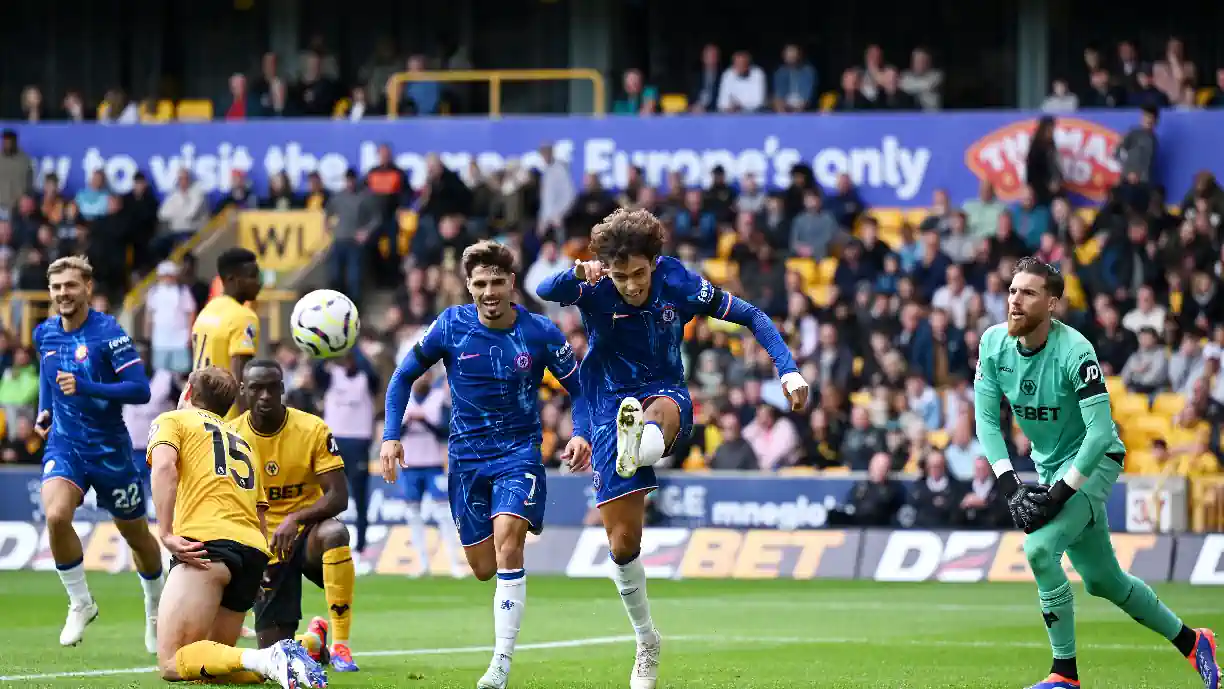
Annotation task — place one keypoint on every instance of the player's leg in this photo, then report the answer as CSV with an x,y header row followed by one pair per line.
x,y
63,489
413,484
520,492
647,428
1094,558
147,554
226,630
192,619
622,506
329,564
471,494
122,494
1044,549
356,455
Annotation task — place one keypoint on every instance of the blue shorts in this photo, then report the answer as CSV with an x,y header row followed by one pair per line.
x,y
608,484
417,482
515,484
116,480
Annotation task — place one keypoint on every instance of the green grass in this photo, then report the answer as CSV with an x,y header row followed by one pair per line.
x,y
742,635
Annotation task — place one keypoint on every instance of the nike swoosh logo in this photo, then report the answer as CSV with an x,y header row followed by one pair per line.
x,y
205,674
620,315
464,357
47,354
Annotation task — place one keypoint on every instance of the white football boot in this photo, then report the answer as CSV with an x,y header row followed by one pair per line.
x,y
646,664
629,427
79,617
151,634
496,677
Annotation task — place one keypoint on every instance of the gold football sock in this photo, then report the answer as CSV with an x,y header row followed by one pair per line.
x,y
338,578
244,677
207,660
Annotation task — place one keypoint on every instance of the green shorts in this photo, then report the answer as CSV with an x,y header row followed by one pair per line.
x,y
1082,526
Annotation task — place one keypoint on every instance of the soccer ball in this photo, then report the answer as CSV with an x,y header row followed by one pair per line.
x,y
325,324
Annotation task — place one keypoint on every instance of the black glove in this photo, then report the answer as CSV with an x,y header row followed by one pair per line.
x,y
1057,495
1025,503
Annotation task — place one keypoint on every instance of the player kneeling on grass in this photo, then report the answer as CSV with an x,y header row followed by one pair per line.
x,y
1047,373
495,353
210,500
303,476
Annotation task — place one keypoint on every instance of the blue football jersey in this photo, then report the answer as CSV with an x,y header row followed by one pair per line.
x,y
97,351
494,378
632,347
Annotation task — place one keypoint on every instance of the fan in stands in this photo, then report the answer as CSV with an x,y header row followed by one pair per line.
x,y
325,324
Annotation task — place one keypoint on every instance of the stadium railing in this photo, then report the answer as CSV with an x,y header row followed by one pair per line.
x,y
495,78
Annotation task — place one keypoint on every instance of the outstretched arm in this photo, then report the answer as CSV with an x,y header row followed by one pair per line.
x,y
131,388
726,307
565,288
424,354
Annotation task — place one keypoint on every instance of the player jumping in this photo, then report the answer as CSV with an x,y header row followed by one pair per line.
x,y
89,370
495,353
226,333
209,493
303,476
1047,372
633,378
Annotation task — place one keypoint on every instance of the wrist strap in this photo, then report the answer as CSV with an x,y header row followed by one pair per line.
x,y
1009,482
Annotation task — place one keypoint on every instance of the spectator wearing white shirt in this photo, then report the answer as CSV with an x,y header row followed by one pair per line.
x,y
742,87
556,194
183,212
954,296
1146,314
548,263
169,312
922,81
1061,100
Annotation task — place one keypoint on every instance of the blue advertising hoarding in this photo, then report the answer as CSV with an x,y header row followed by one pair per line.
x,y
730,500
897,160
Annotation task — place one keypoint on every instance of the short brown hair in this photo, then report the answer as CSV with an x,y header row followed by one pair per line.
x,y
628,233
1032,265
78,263
213,389
487,253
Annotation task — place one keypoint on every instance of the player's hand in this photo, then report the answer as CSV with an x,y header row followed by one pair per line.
x,y
1057,495
42,425
591,271
1026,505
796,390
281,543
190,553
577,454
67,382
391,455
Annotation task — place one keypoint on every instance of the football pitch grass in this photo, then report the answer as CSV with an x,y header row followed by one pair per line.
x,y
732,634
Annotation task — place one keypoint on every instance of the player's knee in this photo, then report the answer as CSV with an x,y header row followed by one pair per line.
x,y
167,665
1040,554
623,546
510,555
1111,588
484,571
59,514
332,534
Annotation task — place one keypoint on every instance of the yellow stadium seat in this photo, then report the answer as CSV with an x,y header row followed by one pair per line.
x,y
195,110
1140,462
915,216
861,398
797,471
839,469
1168,404
718,270
857,368
1203,96
1140,431
1088,214
828,266
938,438
103,110
726,242
806,268
887,218
1180,437
828,101
672,103
891,237
342,108
162,111
1129,405
1114,385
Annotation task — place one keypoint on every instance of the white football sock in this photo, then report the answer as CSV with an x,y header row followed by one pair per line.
x,y
509,599
416,526
152,592
631,584
653,445
450,538
258,660
73,579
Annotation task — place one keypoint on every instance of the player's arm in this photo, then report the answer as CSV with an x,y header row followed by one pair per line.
x,y
564,366
1088,381
329,470
423,355
565,288
165,442
242,344
133,384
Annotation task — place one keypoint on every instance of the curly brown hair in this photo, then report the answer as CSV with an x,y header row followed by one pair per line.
x,y
627,233
487,253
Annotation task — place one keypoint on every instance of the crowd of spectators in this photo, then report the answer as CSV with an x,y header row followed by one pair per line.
x,y
312,84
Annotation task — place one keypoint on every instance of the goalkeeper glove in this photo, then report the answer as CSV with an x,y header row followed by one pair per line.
x,y
1057,496
1025,503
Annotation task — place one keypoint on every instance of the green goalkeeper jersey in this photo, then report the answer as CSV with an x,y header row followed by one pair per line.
x,y
1054,393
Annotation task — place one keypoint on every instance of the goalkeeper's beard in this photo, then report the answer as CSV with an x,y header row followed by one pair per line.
x,y
1025,324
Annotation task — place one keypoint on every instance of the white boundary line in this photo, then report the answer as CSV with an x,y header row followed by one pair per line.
x,y
609,640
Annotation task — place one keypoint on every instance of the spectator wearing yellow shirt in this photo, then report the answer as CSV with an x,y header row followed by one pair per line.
x,y
1189,461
